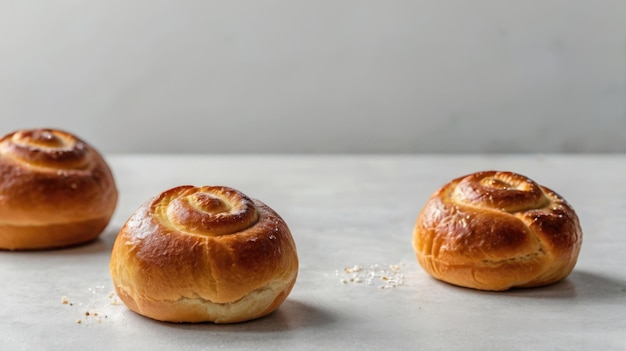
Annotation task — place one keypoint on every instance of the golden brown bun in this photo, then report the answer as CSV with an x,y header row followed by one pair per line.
x,y
497,230
208,254
55,190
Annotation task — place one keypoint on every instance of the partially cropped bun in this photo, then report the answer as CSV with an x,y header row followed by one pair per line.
x,y
497,230
204,254
55,190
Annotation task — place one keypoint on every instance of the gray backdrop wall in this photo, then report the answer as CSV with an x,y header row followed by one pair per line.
x,y
318,76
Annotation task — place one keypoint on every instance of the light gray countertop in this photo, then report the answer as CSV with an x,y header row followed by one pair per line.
x,y
343,211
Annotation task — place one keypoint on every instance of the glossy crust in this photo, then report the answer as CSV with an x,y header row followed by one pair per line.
x,y
208,254
497,230
55,190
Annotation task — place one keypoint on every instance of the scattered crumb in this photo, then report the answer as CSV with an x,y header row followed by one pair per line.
x,y
354,269
95,308
385,277
112,298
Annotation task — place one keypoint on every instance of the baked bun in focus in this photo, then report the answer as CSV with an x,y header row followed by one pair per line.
x,y
207,254
495,231
55,190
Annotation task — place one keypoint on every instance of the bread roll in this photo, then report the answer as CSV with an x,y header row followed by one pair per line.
x,y
55,190
207,254
497,230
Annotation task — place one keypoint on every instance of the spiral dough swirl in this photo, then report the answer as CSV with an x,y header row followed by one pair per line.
x,y
504,191
46,148
209,210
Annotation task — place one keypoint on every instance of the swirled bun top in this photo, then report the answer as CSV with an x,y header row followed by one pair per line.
x,y
46,148
204,254
210,210
56,190
497,230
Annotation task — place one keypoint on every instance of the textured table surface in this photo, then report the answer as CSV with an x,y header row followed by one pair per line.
x,y
343,211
